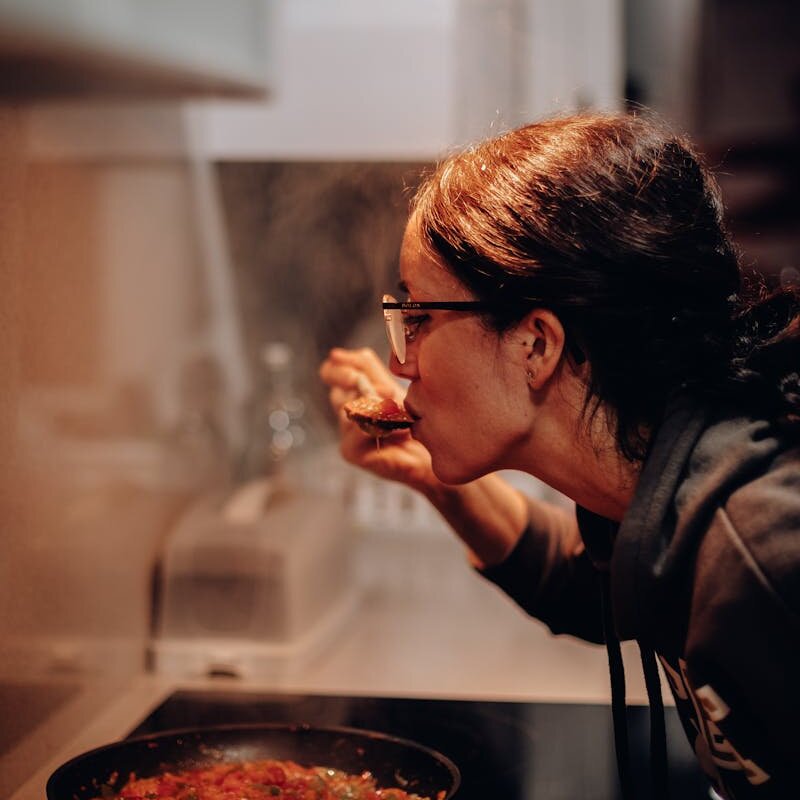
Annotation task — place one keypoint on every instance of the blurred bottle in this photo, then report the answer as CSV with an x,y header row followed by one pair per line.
x,y
277,430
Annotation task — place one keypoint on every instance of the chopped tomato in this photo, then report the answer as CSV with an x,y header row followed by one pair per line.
x,y
257,780
389,407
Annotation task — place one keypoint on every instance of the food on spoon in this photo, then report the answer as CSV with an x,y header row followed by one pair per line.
x,y
255,779
377,416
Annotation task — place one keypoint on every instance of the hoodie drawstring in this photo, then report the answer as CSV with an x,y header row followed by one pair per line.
x,y
659,771
658,736
617,673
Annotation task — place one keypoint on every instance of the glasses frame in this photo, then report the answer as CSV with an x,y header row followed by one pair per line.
x,y
397,330
398,334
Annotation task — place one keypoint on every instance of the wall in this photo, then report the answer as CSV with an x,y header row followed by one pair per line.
x,y
725,70
358,81
661,55
83,497
122,271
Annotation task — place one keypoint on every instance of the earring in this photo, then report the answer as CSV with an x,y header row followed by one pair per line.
x,y
529,375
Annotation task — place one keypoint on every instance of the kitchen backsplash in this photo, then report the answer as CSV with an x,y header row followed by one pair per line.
x,y
313,246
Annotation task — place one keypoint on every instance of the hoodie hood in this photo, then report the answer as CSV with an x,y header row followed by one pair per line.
x,y
692,468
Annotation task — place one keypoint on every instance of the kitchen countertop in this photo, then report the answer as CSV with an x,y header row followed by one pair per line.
x,y
425,626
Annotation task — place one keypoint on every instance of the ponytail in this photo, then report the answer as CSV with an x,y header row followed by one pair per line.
x,y
766,363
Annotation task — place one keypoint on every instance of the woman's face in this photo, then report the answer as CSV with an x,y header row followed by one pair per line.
x,y
468,391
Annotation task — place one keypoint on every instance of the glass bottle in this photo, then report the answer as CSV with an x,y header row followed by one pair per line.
x,y
277,430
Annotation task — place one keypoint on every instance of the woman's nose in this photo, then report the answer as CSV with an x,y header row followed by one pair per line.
x,y
408,370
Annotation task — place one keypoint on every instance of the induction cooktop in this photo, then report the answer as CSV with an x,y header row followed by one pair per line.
x,y
504,750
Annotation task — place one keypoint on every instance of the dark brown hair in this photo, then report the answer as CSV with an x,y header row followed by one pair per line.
x,y
613,222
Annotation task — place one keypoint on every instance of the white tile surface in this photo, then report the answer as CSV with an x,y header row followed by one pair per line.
x,y
426,625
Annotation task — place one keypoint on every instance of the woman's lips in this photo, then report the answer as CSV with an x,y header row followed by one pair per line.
x,y
411,412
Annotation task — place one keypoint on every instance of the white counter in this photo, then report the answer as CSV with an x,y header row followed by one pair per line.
x,y
425,625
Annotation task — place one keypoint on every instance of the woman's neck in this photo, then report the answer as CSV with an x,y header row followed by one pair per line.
x,y
607,487
583,461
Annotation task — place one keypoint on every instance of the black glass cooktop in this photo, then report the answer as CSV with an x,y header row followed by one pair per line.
x,y
505,750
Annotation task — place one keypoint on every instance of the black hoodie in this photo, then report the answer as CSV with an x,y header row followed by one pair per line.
x,y
704,570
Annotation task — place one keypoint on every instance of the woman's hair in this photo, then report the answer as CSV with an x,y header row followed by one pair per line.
x,y
613,222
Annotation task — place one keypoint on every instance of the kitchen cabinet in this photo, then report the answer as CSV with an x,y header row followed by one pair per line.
x,y
366,80
134,47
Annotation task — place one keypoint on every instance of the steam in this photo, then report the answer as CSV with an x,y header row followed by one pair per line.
x,y
314,246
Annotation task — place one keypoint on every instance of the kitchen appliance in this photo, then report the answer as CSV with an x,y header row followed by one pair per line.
x,y
253,584
392,761
502,749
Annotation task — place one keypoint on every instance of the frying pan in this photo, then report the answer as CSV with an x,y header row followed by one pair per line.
x,y
393,761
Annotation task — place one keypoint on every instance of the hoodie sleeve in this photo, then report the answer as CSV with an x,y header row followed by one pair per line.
x,y
550,575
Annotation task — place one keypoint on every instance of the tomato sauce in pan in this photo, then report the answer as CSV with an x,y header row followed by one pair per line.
x,y
258,780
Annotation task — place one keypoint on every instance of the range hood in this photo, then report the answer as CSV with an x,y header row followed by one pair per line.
x,y
128,48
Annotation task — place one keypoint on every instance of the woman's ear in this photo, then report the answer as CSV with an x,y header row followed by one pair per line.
x,y
544,341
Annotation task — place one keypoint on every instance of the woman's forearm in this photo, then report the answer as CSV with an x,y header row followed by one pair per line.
x,y
489,516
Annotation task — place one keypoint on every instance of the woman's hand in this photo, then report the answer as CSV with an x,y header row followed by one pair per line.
x,y
397,457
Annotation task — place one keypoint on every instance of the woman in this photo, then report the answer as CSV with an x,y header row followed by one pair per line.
x,y
589,325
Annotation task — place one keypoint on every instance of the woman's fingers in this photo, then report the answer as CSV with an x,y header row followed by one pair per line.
x,y
338,397
397,457
358,371
340,376
366,360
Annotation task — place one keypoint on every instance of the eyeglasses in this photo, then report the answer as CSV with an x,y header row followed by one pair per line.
x,y
400,332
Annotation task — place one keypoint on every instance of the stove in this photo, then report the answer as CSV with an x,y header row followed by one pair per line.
x,y
505,750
